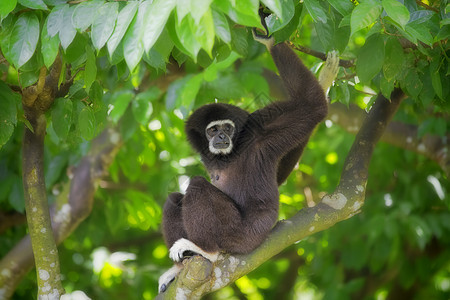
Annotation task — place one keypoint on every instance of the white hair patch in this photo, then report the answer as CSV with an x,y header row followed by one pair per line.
x,y
227,150
220,122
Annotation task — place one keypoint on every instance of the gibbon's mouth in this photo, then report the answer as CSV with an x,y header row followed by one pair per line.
x,y
221,145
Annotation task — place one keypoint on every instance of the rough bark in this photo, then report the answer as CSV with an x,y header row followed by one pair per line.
x,y
36,100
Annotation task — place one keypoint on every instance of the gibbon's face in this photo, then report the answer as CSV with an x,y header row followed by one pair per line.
x,y
220,134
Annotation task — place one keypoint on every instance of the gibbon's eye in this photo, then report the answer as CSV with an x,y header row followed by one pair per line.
x,y
211,130
227,127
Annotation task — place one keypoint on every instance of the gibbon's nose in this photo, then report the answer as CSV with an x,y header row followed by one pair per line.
x,y
221,136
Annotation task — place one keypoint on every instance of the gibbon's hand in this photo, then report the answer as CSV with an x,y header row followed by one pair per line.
x,y
266,40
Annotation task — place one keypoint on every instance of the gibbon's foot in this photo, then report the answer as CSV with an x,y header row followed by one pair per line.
x,y
329,70
168,277
184,248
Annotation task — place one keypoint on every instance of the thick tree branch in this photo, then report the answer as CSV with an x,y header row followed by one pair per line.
x,y
36,101
73,205
398,134
200,277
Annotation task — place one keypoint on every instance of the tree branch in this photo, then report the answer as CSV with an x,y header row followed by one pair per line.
x,y
343,63
200,277
36,101
426,6
10,219
398,134
73,205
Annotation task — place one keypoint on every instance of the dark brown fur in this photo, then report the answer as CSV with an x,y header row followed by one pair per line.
x,y
237,210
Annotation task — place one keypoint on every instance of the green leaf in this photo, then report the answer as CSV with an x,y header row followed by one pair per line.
x,y
55,2
346,94
211,71
84,14
142,107
62,117
8,112
394,59
386,87
421,16
343,7
103,24
198,8
49,46
190,90
204,32
245,12
155,60
133,47
124,19
34,4
420,32
67,32
90,72
24,38
128,125
6,7
120,101
436,77
96,96
86,123
248,8
183,8
397,11
275,6
365,14
239,41
370,58
221,26
325,33
184,32
55,20
155,20
288,10
315,10
5,37
164,45
413,83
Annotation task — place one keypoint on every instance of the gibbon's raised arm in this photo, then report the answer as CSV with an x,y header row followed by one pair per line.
x,y
285,126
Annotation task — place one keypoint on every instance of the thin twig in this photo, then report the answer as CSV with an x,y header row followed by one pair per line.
x,y
426,6
343,63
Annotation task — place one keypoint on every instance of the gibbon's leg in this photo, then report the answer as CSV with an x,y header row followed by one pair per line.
x,y
206,211
172,221
213,222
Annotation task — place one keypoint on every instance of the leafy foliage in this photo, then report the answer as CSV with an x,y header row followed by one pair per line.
x,y
144,65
